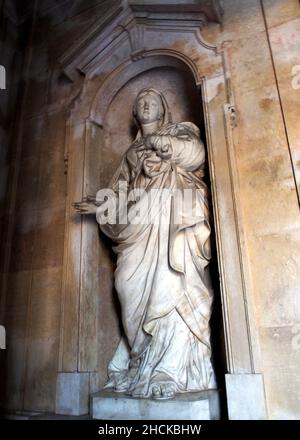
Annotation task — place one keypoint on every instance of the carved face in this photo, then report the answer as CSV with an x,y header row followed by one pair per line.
x,y
148,108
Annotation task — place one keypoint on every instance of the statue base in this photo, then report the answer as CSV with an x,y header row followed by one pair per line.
x,y
204,405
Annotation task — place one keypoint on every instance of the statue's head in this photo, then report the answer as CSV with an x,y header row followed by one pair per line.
x,y
150,106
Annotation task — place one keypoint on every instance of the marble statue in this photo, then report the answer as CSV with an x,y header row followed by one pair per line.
x,y
162,276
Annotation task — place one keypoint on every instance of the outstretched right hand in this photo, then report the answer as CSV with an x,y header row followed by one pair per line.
x,y
88,205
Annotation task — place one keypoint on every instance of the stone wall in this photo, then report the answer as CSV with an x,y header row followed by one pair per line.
x,y
34,212
262,39
264,43
14,34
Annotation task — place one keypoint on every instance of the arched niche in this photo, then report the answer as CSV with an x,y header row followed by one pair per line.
x,y
122,76
87,301
173,80
177,84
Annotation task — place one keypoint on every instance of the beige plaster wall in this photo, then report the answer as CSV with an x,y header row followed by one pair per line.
x,y
264,45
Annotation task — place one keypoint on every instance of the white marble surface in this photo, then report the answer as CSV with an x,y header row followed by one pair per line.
x,y
245,397
189,406
72,390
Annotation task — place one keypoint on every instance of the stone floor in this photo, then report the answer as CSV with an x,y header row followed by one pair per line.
x,y
24,415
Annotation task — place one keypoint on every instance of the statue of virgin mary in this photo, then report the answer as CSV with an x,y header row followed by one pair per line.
x,y
162,275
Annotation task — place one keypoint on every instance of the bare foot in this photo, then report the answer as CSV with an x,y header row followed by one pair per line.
x,y
156,393
163,391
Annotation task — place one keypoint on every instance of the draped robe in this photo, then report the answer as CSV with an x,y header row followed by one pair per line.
x,y
162,277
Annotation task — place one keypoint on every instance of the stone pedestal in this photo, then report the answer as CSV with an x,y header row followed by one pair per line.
x,y
245,397
72,390
189,406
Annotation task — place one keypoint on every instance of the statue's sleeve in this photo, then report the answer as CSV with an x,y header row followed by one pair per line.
x,y
188,150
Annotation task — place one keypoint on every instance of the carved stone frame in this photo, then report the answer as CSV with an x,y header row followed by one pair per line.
x,y
129,46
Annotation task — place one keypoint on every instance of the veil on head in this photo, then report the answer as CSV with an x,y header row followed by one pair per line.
x,y
167,117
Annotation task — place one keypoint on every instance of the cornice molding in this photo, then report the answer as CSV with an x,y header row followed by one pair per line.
x,y
130,23
69,60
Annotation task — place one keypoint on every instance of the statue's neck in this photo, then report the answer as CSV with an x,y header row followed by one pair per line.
x,y
149,128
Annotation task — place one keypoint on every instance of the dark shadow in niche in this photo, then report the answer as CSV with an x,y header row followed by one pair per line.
x,y
216,321
108,244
